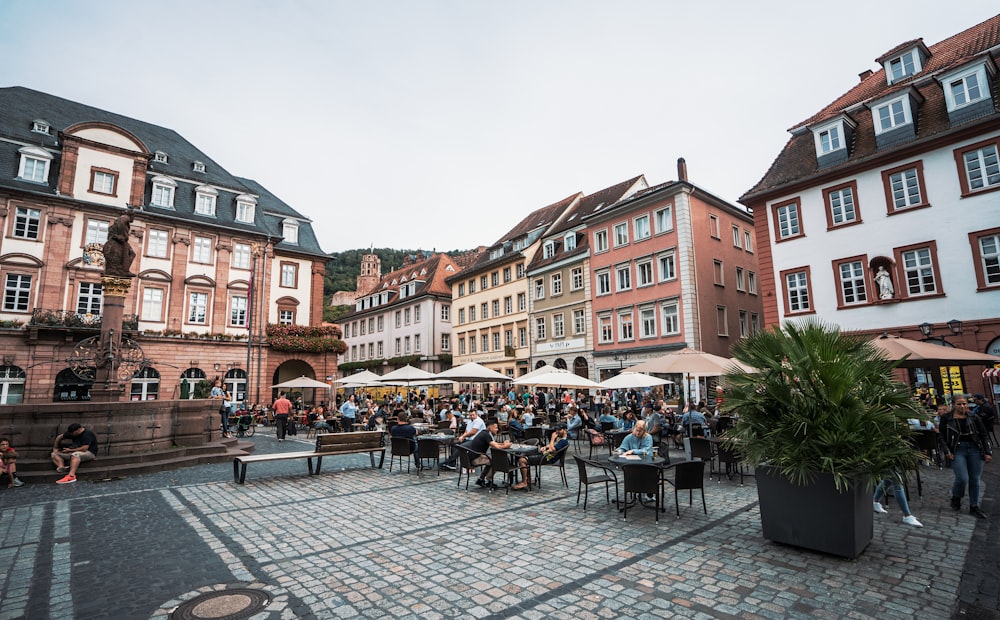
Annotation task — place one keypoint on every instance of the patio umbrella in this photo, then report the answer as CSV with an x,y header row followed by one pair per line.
x,y
917,354
301,382
690,361
408,375
558,378
472,372
365,377
365,384
629,379
541,370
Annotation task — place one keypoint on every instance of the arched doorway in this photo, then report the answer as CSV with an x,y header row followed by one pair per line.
x,y
190,379
581,368
236,384
70,387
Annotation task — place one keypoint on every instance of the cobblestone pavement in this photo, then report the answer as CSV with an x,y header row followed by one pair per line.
x,y
361,543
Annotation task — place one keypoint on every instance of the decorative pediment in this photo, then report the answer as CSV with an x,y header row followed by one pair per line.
x,y
200,280
156,275
18,258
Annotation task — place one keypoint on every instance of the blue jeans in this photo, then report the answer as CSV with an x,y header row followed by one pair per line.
x,y
967,467
893,482
224,411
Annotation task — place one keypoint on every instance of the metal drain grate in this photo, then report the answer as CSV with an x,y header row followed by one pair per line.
x,y
234,604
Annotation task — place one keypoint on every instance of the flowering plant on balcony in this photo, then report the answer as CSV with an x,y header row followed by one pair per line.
x,y
305,338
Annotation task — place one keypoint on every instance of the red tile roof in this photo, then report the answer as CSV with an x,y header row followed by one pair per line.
x,y
797,161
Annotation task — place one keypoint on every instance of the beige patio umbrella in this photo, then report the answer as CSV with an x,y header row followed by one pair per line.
x,y
301,382
918,354
408,375
689,361
365,377
472,373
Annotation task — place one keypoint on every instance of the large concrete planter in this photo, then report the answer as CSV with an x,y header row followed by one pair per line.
x,y
817,516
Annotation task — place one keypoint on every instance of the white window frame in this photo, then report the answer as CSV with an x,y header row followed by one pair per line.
x,y
538,290
670,322
290,232
34,164
789,221
522,302
797,291
579,322
569,241
963,81
97,231
892,114
748,241
197,308
238,311
644,273
152,304
201,250
245,211
576,278
908,64
621,234
89,298
918,272
103,183
626,327
242,253
989,258
986,173
555,284
829,137
664,219
902,185
623,278
163,192
601,240
605,329
445,342
843,209
853,285
666,263
205,199
647,322
17,292
641,228
549,249
752,282
289,273
27,223
558,325
540,328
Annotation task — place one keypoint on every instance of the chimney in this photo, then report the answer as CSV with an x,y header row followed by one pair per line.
x,y
682,170
864,74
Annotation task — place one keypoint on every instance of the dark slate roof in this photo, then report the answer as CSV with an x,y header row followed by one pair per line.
x,y
797,161
588,205
20,107
272,211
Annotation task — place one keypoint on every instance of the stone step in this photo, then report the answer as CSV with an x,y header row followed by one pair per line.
x,y
41,472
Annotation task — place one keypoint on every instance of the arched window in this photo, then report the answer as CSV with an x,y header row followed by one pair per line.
x,y
539,364
12,381
560,363
580,367
71,387
145,385
236,384
189,379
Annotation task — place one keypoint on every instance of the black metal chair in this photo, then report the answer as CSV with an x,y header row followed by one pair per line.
x,y
534,432
401,448
729,458
428,450
503,462
465,466
559,460
607,426
642,478
587,479
688,475
703,449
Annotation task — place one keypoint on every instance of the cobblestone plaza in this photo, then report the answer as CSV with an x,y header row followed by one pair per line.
x,y
355,542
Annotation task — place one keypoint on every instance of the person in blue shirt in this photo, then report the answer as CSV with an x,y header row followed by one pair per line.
x,y
528,418
348,412
693,416
573,424
627,422
638,442
608,418
548,453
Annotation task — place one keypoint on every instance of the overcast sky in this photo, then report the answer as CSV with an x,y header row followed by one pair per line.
x,y
440,124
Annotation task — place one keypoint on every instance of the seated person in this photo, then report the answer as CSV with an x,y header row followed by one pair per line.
x,y
503,415
655,425
627,423
8,463
557,442
574,423
608,418
528,417
515,426
483,441
473,427
82,448
637,442
404,429
691,418
588,422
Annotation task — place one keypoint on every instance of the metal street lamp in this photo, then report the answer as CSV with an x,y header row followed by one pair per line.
x,y
926,329
955,326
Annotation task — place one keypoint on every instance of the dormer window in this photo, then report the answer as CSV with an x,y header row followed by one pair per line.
x,y
40,126
245,204
893,117
904,61
204,203
163,192
967,92
290,231
198,166
549,249
832,140
34,164
569,242
160,157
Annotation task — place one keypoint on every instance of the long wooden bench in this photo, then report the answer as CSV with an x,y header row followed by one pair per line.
x,y
327,444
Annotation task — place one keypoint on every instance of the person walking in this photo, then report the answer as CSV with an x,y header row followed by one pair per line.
x,y
966,443
893,481
282,408
348,413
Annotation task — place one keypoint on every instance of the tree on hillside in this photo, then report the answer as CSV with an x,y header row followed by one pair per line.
x,y
343,267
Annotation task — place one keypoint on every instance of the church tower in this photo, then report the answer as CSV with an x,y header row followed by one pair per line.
x,y
371,273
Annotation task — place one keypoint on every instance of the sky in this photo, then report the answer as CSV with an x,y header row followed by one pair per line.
x,y
440,124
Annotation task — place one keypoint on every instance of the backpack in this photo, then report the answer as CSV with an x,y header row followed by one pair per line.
x,y
596,438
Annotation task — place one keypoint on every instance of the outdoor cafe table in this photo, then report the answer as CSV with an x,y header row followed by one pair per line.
x,y
634,459
614,437
517,450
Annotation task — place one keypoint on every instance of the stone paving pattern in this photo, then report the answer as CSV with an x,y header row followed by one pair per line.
x,y
361,543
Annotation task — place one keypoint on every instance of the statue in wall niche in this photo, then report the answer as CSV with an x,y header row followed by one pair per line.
x,y
118,254
884,281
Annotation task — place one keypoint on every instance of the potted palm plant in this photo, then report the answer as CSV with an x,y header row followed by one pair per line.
x,y
823,421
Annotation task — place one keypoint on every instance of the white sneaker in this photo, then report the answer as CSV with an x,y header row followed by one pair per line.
x,y
879,508
911,520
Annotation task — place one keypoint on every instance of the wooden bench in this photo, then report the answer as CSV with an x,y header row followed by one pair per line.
x,y
327,444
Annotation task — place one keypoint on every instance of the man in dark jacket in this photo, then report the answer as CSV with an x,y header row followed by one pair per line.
x,y
82,447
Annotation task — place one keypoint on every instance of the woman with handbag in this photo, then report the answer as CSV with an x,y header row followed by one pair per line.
x,y
966,442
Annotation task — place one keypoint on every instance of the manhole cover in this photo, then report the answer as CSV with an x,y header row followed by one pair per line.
x,y
223,605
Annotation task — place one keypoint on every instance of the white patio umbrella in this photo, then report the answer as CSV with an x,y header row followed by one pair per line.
x,y
558,378
301,382
408,375
628,379
365,377
366,384
472,373
541,370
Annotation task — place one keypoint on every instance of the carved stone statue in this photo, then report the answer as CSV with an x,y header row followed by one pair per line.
x,y
884,281
118,254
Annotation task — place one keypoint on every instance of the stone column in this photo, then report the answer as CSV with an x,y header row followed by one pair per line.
x,y
106,387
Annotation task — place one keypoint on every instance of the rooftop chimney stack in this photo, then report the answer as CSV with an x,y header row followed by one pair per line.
x,y
682,170
864,74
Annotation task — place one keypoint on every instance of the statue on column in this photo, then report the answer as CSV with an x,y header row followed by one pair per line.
x,y
884,281
118,254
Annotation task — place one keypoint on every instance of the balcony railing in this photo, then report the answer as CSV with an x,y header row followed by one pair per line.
x,y
67,318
